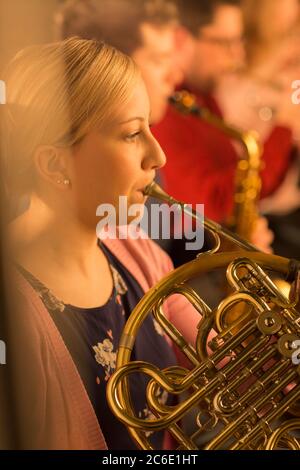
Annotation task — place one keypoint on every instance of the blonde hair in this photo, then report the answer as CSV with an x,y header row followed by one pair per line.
x,y
56,94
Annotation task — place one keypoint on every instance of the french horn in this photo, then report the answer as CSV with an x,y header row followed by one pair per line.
x,y
243,382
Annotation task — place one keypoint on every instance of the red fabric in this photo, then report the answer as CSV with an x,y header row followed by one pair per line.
x,y
201,160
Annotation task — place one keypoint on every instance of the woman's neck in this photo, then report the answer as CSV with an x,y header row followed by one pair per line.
x,y
42,233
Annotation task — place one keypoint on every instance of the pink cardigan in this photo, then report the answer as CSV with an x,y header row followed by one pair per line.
x,y
55,411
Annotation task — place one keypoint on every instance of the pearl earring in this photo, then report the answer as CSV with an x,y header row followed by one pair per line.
x,y
66,181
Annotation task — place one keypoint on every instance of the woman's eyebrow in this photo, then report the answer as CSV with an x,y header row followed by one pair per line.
x,y
137,118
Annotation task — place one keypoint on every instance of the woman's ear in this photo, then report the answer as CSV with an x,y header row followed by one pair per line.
x,y
51,164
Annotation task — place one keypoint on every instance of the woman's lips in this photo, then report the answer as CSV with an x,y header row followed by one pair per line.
x,y
141,191
144,187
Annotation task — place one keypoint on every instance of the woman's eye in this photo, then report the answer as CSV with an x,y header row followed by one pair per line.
x,y
133,136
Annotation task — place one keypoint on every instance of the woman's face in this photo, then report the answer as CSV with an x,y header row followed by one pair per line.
x,y
119,159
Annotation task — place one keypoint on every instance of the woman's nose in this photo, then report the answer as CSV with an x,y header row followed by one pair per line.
x,y
155,157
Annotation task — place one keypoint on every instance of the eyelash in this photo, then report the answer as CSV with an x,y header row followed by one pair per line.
x,y
133,136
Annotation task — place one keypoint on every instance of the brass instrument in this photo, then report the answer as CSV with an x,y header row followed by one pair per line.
x,y
247,179
246,385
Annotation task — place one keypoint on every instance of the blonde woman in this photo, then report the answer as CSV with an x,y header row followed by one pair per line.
x,y
77,136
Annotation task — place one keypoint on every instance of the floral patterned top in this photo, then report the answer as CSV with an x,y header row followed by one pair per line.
x,y
92,336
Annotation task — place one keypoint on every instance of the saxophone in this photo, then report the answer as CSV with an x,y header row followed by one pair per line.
x,y
247,179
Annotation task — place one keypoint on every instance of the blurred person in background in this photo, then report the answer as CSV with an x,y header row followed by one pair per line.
x,y
259,97
210,45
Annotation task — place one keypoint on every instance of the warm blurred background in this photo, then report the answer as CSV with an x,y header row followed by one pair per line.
x,y
256,95
23,23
